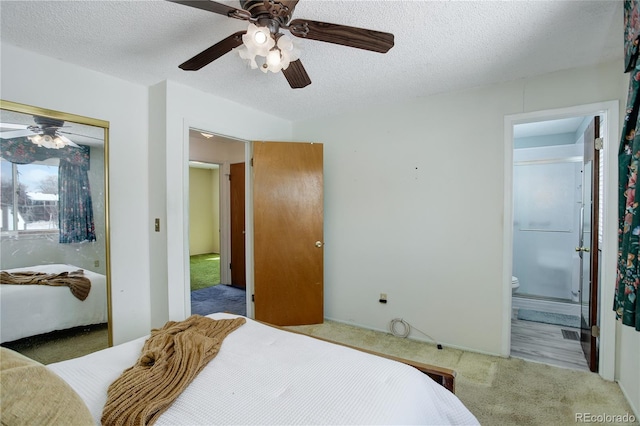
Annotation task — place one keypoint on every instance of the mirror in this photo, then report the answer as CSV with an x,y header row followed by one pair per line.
x,y
54,233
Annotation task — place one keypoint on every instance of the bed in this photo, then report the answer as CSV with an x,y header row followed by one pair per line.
x,y
266,375
29,310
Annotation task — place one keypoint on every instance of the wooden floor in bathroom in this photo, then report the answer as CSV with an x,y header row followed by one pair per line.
x,y
546,343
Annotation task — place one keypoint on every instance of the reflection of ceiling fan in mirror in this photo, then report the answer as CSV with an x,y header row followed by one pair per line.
x,y
276,51
46,132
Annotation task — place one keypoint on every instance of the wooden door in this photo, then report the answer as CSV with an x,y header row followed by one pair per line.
x,y
588,247
238,259
288,232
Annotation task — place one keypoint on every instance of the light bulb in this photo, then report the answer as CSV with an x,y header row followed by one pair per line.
x,y
289,48
259,37
258,42
36,139
273,58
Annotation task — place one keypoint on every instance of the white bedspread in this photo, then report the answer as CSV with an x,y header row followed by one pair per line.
x,y
28,310
266,376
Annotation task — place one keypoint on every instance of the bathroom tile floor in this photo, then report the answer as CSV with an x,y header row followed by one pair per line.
x,y
536,341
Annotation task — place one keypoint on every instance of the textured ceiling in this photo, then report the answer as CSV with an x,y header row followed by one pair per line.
x,y
439,46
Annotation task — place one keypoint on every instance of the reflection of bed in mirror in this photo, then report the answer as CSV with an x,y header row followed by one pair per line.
x,y
29,310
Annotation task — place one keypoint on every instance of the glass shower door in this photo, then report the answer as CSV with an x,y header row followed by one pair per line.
x,y
546,197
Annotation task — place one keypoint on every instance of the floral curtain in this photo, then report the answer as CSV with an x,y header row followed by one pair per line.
x,y
626,291
75,217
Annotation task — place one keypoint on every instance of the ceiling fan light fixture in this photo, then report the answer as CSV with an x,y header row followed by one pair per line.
x,y
273,56
47,141
271,16
51,142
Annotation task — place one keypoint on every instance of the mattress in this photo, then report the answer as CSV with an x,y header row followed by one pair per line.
x,y
264,375
29,310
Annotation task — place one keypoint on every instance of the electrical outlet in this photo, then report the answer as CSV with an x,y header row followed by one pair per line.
x,y
96,263
383,298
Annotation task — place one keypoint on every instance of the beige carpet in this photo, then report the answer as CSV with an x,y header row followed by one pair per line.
x,y
62,345
498,391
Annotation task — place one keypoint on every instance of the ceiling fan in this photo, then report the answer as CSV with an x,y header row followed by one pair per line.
x,y
278,51
46,132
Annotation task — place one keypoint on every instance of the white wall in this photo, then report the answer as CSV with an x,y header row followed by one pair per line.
x,y
414,204
37,80
628,368
204,210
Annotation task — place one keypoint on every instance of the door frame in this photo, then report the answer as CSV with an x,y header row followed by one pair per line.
x,y
225,231
610,110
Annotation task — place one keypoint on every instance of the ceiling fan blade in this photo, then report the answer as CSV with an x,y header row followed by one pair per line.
x,y
214,52
212,6
296,75
4,127
359,38
16,133
78,134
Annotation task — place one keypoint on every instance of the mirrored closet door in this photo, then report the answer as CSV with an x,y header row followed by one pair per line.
x,y
54,233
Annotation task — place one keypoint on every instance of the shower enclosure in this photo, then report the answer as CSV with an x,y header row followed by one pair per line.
x,y
547,188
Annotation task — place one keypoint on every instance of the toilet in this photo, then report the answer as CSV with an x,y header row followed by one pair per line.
x,y
515,284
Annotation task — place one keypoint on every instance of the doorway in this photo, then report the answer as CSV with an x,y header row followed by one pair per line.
x,y
548,191
528,296
215,238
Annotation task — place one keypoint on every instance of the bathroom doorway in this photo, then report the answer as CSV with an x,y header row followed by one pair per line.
x,y
606,254
547,199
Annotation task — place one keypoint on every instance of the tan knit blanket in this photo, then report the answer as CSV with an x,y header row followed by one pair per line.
x,y
171,358
75,280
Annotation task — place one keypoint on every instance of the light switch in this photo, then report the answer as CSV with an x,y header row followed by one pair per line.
x,y
157,224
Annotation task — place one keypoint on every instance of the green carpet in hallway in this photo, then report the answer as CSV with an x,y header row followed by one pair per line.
x,y
205,270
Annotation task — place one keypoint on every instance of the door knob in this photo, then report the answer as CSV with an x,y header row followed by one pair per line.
x,y
318,244
585,249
